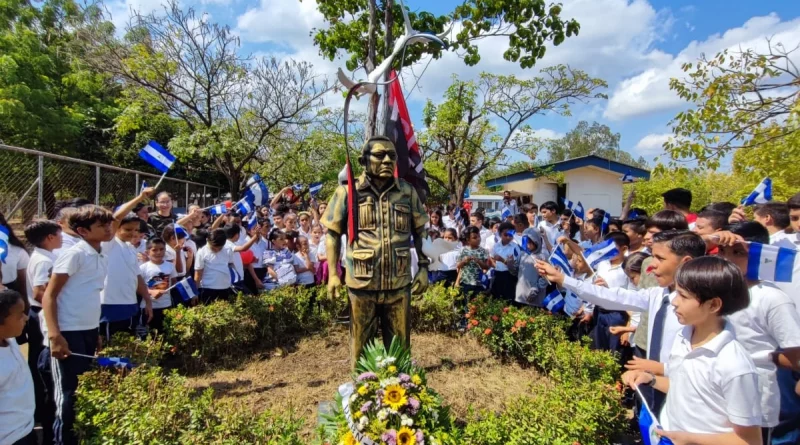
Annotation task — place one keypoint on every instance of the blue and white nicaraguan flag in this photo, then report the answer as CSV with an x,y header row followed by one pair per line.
x,y
3,243
559,259
606,222
187,288
257,192
554,302
157,156
762,194
506,213
648,424
627,177
244,207
578,211
181,232
605,250
568,204
298,187
315,188
252,221
235,277
219,209
770,263
114,362
144,186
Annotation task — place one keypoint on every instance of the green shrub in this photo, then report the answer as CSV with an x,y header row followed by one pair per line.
x,y
149,351
207,333
585,413
147,407
434,310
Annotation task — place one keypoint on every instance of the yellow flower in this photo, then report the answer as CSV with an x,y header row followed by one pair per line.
x,y
406,437
417,380
362,390
357,415
392,369
395,397
349,439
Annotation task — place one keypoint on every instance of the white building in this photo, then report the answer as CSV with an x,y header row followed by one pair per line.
x,y
594,181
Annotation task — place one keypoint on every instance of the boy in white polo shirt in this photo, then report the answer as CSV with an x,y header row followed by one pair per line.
x,y
233,233
45,236
16,385
123,281
71,306
711,382
212,268
159,275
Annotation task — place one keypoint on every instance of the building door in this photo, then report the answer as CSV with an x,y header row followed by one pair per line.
x,y
561,194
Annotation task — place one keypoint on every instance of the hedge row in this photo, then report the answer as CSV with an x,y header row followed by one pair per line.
x,y
579,405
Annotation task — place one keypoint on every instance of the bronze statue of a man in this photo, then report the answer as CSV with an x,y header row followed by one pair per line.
x,y
378,264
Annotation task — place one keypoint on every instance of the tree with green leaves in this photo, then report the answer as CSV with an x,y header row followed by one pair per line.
x,y
739,96
585,140
366,29
460,133
232,109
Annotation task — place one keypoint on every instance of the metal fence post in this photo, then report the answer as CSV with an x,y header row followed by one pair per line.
x,y
97,186
136,186
204,197
40,194
187,197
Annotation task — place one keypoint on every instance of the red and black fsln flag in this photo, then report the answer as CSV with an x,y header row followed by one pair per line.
x,y
401,133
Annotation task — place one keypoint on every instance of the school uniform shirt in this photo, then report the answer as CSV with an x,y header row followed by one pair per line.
x,y
171,256
259,247
140,249
40,267
156,274
619,299
238,265
448,260
242,237
551,230
214,265
504,251
123,273
485,235
449,223
710,387
79,300
16,394
306,277
67,241
614,276
780,235
769,323
16,259
491,242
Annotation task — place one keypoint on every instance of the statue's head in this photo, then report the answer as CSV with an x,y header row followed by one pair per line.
x,y
379,157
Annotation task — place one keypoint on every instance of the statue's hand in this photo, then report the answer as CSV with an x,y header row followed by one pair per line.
x,y
334,282
420,283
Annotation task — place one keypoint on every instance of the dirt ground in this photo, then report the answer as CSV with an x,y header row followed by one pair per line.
x,y
459,369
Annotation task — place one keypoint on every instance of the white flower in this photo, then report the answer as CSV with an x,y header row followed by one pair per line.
x,y
353,397
406,421
362,423
383,414
390,381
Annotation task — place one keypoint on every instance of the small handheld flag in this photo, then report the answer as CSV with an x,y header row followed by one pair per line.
x,y
578,211
3,243
559,259
252,221
244,207
648,424
568,204
554,302
506,213
256,178
257,192
187,289
605,250
770,263
144,186
298,187
181,232
219,209
235,277
605,223
159,157
627,177
762,193
315,188
114,362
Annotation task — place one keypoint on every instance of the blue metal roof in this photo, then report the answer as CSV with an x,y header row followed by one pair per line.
x,y
572,164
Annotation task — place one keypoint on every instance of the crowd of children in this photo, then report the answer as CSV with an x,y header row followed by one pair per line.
x,y
699,339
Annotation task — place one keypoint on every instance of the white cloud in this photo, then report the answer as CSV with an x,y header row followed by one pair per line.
x,y
286,22
546,133
651,145
649,92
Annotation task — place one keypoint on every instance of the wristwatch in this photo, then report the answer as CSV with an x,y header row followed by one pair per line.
x,y
652,382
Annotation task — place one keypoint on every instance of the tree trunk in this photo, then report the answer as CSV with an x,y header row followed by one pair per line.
x,y
234,182
371,63
387,51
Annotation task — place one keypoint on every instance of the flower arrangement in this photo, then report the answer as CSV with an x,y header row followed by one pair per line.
x,y
389,403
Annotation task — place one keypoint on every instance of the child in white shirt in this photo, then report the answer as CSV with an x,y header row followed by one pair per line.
x,y
17,402
711,381
159,275
305,263
505,255
280,263
212,269
614,276
233,233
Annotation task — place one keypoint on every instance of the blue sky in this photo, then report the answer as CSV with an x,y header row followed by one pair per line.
x,y
635,45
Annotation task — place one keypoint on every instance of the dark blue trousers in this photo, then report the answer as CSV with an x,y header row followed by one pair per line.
x,y
65,382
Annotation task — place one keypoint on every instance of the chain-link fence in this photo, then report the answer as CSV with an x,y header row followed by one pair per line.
x,y
33,181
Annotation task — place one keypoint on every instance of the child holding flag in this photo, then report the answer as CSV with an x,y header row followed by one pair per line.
x,y
505,255
159,275
709,372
